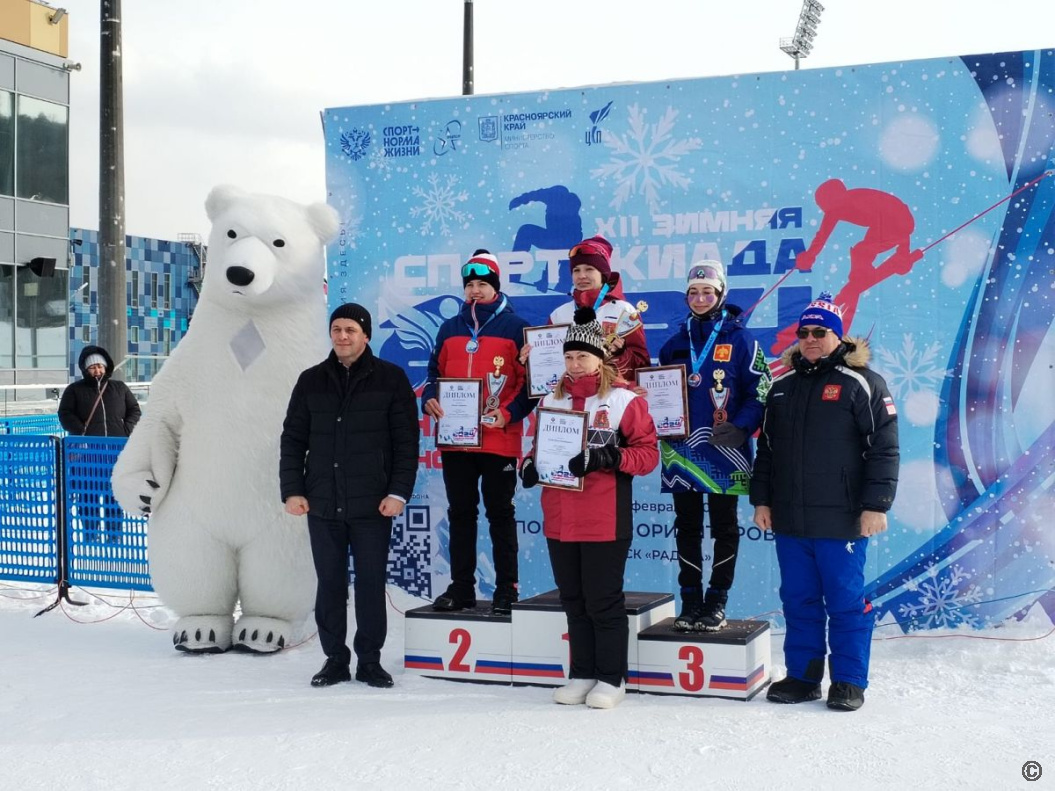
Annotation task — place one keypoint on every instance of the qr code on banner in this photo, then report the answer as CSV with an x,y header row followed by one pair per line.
x,y
410,550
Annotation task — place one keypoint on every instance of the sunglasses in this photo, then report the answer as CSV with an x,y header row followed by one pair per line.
x,y
473,269
816,332
589,248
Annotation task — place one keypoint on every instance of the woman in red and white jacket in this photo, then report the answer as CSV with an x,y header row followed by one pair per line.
x,y
589,532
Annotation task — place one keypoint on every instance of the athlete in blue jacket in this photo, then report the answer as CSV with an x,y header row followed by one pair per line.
x,y
727,383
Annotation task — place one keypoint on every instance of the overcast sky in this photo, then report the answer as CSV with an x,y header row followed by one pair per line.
x,y
229,91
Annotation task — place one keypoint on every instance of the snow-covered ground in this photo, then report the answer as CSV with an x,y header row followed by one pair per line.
x,y
109,705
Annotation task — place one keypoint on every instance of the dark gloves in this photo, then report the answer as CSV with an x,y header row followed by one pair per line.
x,y
528,472
726,435
606,457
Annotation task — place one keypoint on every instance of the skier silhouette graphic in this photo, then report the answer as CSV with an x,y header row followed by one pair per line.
x,y
889,225
562,230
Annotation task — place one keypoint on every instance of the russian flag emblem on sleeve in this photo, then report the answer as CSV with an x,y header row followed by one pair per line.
x,y
888,402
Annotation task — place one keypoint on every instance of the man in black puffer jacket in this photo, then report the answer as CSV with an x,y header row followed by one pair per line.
x,y
98,406
823,481
349,457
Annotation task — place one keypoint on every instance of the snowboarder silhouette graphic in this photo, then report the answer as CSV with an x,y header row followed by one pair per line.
x,y
889,225
562,230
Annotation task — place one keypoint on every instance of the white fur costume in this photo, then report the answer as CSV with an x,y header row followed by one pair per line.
x,y
209,437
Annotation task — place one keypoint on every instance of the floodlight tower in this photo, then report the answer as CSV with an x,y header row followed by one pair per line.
x,y
799,45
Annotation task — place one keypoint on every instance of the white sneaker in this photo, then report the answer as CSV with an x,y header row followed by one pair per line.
x,y
574,692
605,696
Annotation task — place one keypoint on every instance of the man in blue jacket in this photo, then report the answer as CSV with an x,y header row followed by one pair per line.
x,y
349,457
823,481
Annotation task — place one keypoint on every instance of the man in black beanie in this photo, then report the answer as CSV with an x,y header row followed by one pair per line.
x,y
349,457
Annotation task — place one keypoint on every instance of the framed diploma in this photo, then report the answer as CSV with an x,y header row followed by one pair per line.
x,y
545,363
560,435
462,403
668,399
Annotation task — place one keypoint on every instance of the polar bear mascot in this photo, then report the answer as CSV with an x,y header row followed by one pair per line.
x,y
203,462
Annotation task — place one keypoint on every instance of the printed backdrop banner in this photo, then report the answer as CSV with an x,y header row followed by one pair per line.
x,y
918,193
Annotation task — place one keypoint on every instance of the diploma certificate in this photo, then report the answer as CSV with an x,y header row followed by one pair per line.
x,y
560,435
462,402
668,401
545,363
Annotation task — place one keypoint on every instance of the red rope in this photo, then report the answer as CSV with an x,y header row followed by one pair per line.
x,y
1042,176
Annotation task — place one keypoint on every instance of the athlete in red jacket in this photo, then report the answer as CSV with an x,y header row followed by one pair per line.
x,y
589,532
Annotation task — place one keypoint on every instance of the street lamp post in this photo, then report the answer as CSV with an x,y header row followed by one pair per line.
x,y
799,45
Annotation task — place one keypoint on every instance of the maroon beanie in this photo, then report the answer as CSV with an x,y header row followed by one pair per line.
x,y
596,252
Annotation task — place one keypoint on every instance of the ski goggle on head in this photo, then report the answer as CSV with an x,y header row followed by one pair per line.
x,y
590,248
473,269
706,272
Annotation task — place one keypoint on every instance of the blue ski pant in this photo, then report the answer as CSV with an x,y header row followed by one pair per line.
x,y
822,589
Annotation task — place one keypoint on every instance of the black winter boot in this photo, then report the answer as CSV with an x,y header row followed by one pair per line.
x,y
844,696
502,601
712,616
691,609
793,690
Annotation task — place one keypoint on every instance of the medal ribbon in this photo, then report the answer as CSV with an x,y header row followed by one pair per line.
x,y
601,295
697,362
475,331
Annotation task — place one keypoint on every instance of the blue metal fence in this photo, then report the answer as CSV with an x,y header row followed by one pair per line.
x,y
32,424
28,509
105,547
56,489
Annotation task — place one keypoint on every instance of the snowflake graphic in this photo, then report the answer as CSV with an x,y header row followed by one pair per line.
x,y
910,370
943,599
645,159
439,204
354,143
384,166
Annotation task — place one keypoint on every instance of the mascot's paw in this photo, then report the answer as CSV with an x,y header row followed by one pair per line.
x,y
139,492
259,635
203,634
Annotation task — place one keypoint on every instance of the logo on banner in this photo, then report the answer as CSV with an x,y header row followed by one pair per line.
x,y
723,352
594,136
831,392
448,140
354,143
488,128
401,141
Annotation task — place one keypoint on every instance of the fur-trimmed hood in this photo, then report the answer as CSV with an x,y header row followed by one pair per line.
x,y
854,352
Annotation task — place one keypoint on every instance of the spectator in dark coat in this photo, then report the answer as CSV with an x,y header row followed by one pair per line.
x,y
97,406
824,479
349,457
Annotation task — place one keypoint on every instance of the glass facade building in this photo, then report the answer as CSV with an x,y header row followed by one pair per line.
x,y
34,194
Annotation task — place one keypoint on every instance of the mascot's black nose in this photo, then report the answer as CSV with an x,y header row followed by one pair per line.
x,y
239,275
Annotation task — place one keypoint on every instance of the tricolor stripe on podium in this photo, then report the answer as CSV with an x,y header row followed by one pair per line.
x,y
647,679
423,662
435,663
737,683
534,670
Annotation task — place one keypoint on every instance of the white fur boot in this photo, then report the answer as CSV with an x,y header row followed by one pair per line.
x,y
574,692
259,635
203,634
605,696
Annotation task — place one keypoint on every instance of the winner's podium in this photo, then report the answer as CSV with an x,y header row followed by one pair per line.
x,y
540,634
467,645
730,663
530,646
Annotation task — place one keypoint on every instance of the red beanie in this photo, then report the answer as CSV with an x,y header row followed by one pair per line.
x,y
596,252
